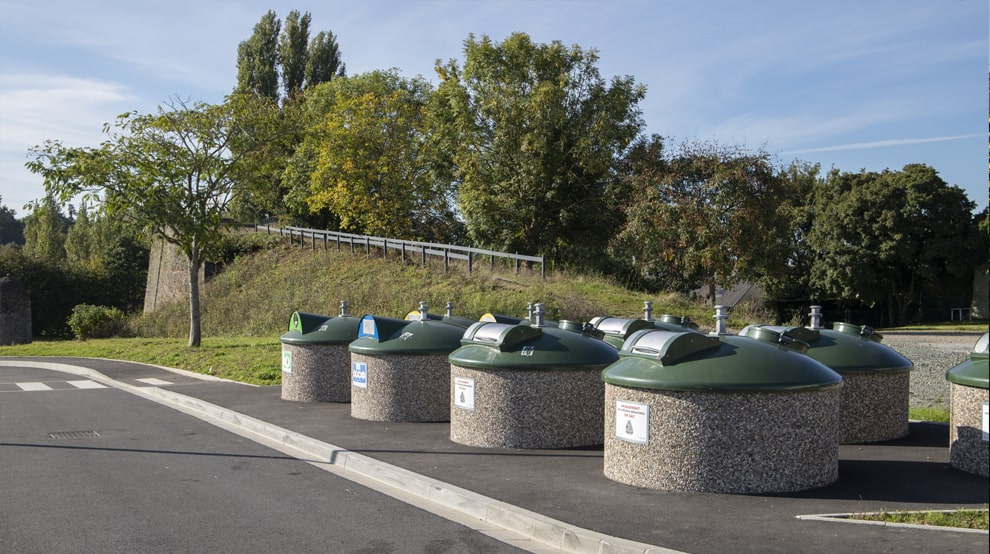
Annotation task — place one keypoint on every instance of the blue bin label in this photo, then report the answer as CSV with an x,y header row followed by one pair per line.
x,y
359,375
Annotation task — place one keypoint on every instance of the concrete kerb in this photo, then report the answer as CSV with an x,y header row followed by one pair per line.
x,y
527,524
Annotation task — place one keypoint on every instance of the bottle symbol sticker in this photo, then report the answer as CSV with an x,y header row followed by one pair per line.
x,y
629,428
462,397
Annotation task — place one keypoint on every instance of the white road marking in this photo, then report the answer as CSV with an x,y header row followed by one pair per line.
x,y
155,382
87,384
33,386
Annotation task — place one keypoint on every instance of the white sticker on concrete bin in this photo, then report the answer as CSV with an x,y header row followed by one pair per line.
x,y
464,393
286,361
359,375
632,421
986,422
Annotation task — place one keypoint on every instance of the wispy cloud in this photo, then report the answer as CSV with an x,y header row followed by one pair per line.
x,y
39,107
882,144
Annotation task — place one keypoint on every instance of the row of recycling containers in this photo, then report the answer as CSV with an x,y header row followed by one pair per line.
x,y
677,409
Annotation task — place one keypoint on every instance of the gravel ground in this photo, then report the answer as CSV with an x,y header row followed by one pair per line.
x,y
933,353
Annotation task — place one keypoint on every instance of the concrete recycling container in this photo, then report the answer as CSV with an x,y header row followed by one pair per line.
x,y
969,420
528,386
316,365
876,378
399,369
685,411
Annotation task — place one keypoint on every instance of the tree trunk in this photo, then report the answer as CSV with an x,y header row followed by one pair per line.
x,y
195,332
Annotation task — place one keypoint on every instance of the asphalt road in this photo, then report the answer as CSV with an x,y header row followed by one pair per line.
x,y
86,468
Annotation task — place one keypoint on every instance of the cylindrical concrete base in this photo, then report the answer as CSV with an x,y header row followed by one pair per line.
x,y
722,442
968,446
317,373
401,387
495,408
874,406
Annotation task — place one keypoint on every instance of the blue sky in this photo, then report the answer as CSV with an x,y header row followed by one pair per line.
x,y
863,84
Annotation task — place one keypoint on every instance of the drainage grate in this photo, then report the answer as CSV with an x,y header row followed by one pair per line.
x,y
73,434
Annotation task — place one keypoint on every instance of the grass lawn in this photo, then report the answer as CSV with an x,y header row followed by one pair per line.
x,y
253,360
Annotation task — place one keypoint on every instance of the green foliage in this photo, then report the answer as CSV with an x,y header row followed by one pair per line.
x,y
292,52
890,238
323,62
11,229
536,134
277,53
257,58
703,214
173,172
96,322
370,159
44,232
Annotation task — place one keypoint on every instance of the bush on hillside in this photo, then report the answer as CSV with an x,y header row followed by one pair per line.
x,y
96,322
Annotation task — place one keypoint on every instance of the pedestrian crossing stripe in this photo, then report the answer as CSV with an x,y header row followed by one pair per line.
x,y
83,384
87,384
33,386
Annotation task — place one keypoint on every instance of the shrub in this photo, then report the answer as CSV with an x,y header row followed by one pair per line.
x,y
96,322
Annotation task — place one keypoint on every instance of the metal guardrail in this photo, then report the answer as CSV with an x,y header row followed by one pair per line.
x,y
405,248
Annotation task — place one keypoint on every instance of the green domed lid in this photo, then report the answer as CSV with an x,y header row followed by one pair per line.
x,y
488,345
776,335
675,323
845,348
974,372
691,361
305,328
383,335
617,330
499,318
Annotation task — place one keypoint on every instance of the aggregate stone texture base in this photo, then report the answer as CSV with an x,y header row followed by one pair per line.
x,y
320,373
403,388
529,408
736,443
874,406
968,450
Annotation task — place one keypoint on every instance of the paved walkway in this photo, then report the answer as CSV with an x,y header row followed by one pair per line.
x,y
561,497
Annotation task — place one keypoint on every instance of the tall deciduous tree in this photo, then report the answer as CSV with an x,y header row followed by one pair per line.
x,y
884,239
173,172
11,229
44,232
323,62
370,158
292,53
536,134
703,214
257,59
